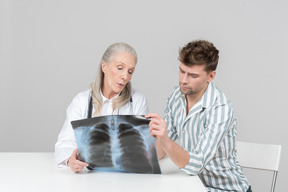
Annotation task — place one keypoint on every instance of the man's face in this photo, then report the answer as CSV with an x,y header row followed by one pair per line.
x,y
193,80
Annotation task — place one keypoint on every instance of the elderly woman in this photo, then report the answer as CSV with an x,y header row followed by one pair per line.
x,y
110,94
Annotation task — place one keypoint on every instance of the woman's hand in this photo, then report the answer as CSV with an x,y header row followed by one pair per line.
x,y
74,163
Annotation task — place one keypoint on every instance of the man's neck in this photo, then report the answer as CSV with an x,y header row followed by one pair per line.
x,y
192,99
190,102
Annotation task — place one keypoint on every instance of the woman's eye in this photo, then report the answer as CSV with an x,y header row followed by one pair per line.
x,y
130,72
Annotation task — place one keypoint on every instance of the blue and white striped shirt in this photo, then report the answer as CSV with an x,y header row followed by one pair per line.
x,y
208,134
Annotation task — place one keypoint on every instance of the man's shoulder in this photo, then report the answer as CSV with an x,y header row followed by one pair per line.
x,y
175,95
220,97
176,91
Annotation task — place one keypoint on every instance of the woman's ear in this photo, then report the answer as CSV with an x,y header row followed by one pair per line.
x,y
103,66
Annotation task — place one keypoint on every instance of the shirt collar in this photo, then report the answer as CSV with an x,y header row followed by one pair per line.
x,y
204,102
105,99
209,96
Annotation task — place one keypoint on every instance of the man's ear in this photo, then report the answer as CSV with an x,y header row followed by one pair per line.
x,y
211,76
103,66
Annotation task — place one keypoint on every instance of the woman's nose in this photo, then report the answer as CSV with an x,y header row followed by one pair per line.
x,y
125,76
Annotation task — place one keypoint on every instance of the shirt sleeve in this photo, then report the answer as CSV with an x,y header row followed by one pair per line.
x,y
171,128
219,120
66,142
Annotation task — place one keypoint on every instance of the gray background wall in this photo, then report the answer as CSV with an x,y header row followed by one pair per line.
x,y
49,51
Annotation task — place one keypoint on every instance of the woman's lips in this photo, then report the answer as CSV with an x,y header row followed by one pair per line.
x,y
120,84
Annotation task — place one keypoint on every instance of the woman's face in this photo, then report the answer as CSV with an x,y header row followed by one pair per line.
x,y
117,73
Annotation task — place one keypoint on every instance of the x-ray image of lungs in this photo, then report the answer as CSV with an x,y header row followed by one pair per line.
x,y
117,143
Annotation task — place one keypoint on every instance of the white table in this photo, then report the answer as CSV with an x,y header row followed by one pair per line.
x,y
38,172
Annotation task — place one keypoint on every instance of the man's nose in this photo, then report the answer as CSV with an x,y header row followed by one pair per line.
x,y
183,78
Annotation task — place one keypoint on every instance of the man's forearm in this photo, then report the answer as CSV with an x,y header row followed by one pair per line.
x,y
161,153
178,155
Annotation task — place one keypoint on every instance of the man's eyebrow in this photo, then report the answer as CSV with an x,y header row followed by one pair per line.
x,y
193,74
188,73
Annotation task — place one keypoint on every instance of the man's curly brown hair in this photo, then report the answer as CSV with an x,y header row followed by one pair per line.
x,y
200,52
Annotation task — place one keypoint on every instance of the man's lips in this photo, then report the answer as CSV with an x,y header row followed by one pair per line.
x,y
183,87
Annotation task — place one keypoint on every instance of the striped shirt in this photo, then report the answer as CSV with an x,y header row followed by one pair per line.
x,y
208,133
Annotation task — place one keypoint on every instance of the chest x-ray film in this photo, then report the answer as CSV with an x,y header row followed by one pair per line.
x,y
117,143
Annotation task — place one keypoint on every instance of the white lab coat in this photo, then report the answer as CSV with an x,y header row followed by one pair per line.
x,y
78,109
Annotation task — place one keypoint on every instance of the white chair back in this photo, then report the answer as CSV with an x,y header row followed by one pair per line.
x,y
259,156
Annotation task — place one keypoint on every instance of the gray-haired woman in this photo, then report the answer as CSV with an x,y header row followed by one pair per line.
x,y
110,94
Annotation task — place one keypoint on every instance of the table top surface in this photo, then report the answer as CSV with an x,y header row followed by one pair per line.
x,y
38,172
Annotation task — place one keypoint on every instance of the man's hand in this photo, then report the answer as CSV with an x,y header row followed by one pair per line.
x,y
74,163
158,129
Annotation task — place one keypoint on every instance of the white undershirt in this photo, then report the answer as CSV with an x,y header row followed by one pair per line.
x,y
107,106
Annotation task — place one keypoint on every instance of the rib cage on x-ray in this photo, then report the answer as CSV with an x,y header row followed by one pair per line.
x,y
117,142
133,149
100,144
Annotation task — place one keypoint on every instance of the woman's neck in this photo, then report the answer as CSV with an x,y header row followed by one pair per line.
x,y
108,93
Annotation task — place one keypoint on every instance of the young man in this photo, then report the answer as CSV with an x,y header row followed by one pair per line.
x,y
202,121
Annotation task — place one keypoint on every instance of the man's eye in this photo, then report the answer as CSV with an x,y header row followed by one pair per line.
x,y
120,67
130,72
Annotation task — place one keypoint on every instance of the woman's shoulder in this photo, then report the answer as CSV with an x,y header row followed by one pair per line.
x,y
136,94
79,104
83,95
139,103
